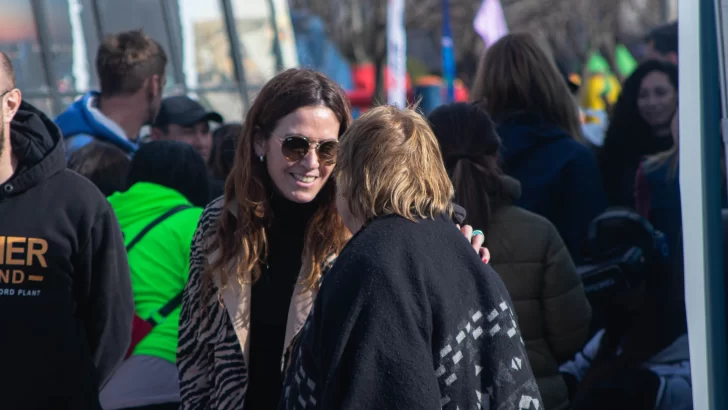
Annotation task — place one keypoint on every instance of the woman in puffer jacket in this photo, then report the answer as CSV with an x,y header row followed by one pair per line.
x,y
526,249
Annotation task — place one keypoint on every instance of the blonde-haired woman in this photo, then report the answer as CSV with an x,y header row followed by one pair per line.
x,y
260,251
408,317
543,148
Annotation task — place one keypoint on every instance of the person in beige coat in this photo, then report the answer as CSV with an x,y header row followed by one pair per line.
x,y
526,250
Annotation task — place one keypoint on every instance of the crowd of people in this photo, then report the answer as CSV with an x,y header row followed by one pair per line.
x,y
486,255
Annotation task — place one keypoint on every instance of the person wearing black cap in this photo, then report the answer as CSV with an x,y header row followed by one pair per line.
x,y
186,120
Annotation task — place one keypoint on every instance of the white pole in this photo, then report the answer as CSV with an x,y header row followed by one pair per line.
x,y
80,62
188,15
699,181
396,54
692,201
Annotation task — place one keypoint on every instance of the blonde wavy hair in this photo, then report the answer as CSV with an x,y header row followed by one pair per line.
x,y
390,164
518,74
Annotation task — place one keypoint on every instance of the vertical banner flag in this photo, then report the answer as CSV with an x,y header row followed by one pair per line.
x,y
490,22
448,54
396,54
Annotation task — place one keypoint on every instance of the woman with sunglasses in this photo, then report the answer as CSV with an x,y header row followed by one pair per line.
x,y
260,251
407,318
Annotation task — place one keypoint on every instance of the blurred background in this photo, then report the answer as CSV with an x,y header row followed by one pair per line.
x,y
222,51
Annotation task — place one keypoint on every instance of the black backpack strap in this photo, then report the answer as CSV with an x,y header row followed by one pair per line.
x,y
166,310
154,223
170,306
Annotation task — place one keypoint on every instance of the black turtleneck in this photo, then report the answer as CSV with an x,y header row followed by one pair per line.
x,y
271,298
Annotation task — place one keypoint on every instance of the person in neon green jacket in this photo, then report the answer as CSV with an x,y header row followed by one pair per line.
x,y
160,263
163,176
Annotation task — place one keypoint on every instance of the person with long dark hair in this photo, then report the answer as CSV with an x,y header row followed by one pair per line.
x,y
261,250
528,253
537,119
639,127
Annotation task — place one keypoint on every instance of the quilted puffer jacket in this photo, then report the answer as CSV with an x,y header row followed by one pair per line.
x,y
553,312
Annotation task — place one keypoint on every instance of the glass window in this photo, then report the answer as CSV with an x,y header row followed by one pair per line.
x,y
286,38
121,15
256,34
206,46
226,103
70,27
19,40
258,38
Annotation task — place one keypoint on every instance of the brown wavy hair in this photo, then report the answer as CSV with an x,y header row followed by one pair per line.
x,y
242,238
518,74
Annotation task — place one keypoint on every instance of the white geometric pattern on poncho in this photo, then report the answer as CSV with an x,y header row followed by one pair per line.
x,y
306,388
528,402
467,341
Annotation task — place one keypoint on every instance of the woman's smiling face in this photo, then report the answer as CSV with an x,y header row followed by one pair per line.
x,y
657,99
300,181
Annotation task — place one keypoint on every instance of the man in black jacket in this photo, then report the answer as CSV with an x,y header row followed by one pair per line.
x,y
65,290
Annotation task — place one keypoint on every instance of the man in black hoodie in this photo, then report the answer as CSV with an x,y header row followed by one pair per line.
x,y
65,291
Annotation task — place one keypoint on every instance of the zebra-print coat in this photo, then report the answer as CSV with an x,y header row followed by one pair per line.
x,y
213,348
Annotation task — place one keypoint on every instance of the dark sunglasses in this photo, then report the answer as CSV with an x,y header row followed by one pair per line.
x,y
295,148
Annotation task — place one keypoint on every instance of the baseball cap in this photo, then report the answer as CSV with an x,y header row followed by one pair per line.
x,y
184,111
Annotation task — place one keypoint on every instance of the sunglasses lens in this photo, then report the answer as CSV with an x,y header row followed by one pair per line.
x,y
294,148
327,151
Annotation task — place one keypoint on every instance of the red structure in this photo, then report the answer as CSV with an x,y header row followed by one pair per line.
x,y
364,77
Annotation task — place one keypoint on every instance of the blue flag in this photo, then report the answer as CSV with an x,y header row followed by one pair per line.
x,y
448,54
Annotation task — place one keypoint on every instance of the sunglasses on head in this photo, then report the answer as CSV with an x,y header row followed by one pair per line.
x,y
296,147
